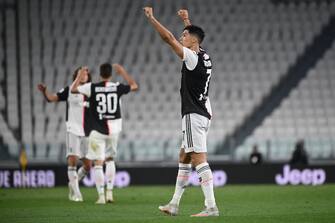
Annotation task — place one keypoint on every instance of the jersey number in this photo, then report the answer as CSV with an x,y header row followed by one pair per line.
x,y
107,103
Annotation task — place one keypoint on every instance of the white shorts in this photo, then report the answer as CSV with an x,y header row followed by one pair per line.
x,y
76,145
195,128
102,146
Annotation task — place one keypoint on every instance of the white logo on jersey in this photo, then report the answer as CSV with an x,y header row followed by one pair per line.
x,y
208,63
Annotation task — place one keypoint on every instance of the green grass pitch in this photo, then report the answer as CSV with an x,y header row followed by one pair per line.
x,y
139,204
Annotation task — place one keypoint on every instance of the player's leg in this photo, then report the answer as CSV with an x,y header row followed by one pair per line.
x,y
184,172
110,176
72,142
84,169
110,165
199,160
87,164
183,175
198,127
185,168
96,152
99,181
72,175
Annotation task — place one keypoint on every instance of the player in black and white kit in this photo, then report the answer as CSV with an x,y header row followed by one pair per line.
x,y
196,111
105,112
77,128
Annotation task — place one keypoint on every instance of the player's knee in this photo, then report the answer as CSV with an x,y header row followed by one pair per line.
x,y
87,168
109,159
87,165
198,158
72,160
98,163
184,157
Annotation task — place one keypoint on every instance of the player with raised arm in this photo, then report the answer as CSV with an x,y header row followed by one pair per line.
x,y
105,112
196,111
77,128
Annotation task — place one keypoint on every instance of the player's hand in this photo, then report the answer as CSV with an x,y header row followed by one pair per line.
x,y
148,12
119,69
42,88
183,14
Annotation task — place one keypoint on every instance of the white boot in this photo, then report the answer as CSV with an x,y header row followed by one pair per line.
x,y
109,196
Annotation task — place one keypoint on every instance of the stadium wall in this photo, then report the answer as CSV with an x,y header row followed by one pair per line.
x,y
280,174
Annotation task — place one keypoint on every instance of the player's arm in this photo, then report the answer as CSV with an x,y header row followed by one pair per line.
x,y
183,14
122,72
164,33
76,82
50,97
76,87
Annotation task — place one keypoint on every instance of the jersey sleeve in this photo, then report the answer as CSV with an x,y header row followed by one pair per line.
x,y
85,89
123,89
63,94
190,58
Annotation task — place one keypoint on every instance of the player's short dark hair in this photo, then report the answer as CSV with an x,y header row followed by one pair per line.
x,y
76,72
106,70
196,31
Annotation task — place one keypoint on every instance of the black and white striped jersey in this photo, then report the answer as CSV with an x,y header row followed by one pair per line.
x,y
196,74
77,117
105,105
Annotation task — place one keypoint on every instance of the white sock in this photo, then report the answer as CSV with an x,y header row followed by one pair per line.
x,y
81,173
99,180
73,178
206,181
181,182
110,174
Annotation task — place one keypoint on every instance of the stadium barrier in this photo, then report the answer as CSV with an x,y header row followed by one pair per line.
x,y
280,174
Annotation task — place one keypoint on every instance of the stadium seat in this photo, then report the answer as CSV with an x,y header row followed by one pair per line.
x,y
311,107
252,44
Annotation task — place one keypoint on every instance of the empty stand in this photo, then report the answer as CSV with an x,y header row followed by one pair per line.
x,y
308,113
252,44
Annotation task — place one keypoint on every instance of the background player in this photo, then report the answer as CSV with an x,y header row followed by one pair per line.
x,y
77,128
196,111
105,111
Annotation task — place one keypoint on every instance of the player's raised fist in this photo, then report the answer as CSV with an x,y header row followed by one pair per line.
x,y
183,14
148,12
119,69
41,87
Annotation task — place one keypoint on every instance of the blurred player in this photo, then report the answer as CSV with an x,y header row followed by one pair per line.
x,y
77,128
196,111
105,113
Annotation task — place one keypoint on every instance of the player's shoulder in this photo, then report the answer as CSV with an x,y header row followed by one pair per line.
x,y
116,86
64,89
112,84
188,50
97,84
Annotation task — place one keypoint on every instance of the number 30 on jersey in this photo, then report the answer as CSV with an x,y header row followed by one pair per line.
x,y
107,103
